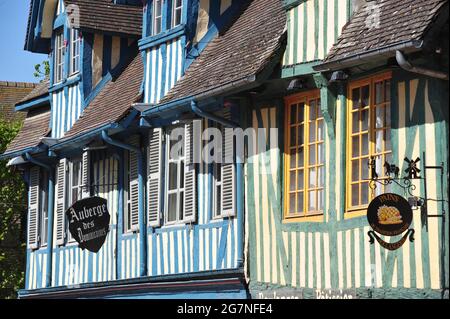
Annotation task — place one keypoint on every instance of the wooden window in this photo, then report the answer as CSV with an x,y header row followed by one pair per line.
x,y
175,154
157,16
368,137
75,41
74,187
59,58
177,9
305,157
43,209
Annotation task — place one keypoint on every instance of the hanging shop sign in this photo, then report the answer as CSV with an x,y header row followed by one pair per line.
x,y
390,215
89,222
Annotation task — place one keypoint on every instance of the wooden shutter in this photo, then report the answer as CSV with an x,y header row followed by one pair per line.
x,y
33,218
154,159
134,184
86,189
190,199
60,202
228,172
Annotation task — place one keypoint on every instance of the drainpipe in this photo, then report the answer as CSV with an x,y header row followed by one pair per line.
x,y
142,228
51,201
406,65
239,181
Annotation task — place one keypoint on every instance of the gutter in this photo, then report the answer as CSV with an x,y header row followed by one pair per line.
x,y
51,201
407,66
142,228
360,58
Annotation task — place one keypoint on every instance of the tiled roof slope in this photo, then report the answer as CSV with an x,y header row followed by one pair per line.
x,y
35,126
10,94
242,51
113,102
103,15
40,90
399,21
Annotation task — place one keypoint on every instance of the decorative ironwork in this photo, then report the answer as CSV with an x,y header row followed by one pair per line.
x,y
392,173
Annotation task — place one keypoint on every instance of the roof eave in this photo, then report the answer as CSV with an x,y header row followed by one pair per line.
x,y
33,103
368,56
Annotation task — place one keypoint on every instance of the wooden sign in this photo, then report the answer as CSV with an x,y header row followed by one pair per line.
x,y
390,215
89,222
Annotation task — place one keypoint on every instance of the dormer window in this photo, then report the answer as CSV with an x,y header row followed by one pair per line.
x,y
75,41
157,16
177,9
59,58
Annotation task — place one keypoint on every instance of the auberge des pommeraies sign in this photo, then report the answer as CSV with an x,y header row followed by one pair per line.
x,y
89,222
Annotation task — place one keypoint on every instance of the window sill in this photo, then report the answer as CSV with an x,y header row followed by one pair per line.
x,y
71,80
354,213
304,219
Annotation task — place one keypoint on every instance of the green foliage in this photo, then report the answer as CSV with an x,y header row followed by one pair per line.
x,y
13,208
39,73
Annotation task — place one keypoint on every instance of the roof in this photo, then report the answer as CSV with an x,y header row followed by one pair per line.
x,y
241,51
103,15
39,90
113,102
10,94
35,126
384,23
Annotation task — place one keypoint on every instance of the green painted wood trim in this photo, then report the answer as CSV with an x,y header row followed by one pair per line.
x,y
300,69
316,29
305,32
342,96
289,4
325,27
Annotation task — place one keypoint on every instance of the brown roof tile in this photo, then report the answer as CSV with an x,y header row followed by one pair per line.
x,y
384,23
10,94
103,15
113,102
35,126
242,51
40,90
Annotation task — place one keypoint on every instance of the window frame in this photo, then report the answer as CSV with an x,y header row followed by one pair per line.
x,y
306,215
180,162
58,60
217,195
155,17
43,208
127,227
174,10
75,42
360,210
70,187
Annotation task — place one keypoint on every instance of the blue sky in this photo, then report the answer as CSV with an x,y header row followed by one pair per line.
x,y
15,63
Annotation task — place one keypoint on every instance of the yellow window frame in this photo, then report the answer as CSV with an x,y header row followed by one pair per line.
x,y
305,215
360,210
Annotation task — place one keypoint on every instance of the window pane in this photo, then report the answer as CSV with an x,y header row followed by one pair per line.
x,y
181,205
301,112
355,146
172,208
320,130
355,170
181,174
312,178
365,96
312,110
365,168
364,120
218,199
379,141
293,113
320,200
293,136
292,204
173,176
387,140
312,132
364,193
321,153
312,201
379,92
365,144
301,157
388,115
321,178
379,118
300,180
300,202
292,181
300,134
355,98
388,90
312,155
355,195
355,122
293,158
